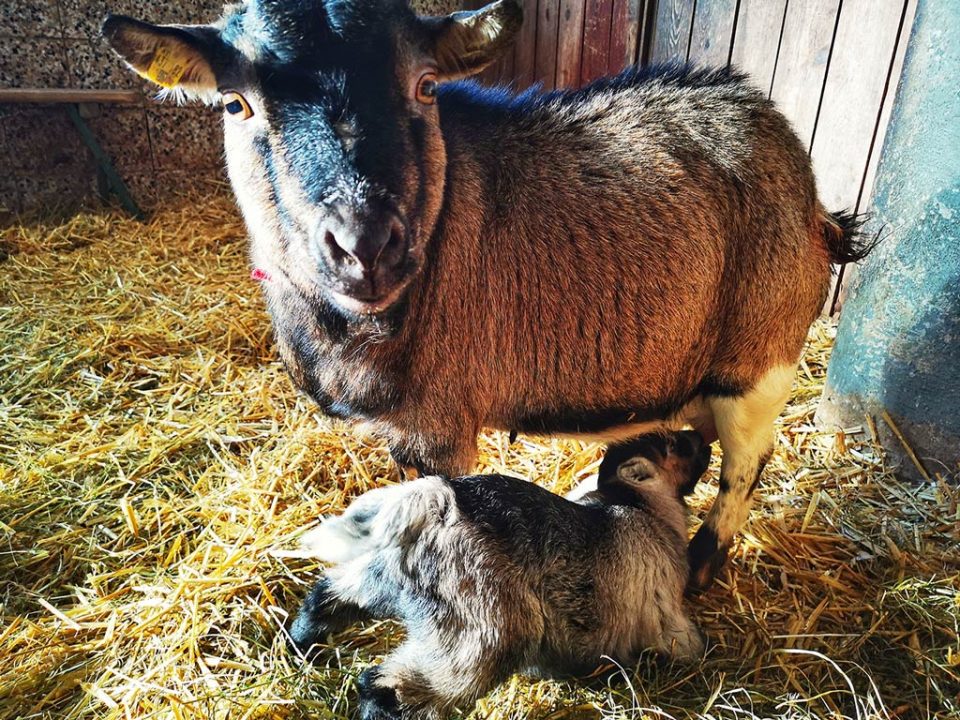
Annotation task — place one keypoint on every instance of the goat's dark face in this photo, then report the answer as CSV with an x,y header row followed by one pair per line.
x,y
676,460
332,131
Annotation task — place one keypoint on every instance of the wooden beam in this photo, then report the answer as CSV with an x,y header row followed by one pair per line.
x,y
863,51
802,65
671,38
61,95
596,40
570,44
548,12
525,47
624,34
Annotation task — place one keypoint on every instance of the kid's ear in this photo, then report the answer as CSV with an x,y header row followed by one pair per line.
x,y
175,57
620,464
636,469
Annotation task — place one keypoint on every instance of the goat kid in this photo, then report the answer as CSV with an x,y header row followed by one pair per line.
x,y
492,575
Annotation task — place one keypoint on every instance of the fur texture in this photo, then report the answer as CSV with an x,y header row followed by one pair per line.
x,y
492,575
605,262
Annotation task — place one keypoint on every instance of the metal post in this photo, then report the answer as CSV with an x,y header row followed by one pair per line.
x,y
116,182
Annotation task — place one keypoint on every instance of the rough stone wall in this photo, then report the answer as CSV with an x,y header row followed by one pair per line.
x,y
160,150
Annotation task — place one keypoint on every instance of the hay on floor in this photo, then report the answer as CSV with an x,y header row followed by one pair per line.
x,y
154,457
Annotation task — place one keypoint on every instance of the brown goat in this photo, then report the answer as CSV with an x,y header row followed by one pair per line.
x,y
642,254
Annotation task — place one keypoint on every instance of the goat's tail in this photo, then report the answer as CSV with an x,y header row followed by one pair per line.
x,y
845,241
384,517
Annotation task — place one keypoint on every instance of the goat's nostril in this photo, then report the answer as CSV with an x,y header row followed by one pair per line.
x,y
395,241
337,253
354,245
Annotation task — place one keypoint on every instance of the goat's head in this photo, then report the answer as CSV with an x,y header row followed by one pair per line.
x,y
332,134
673,461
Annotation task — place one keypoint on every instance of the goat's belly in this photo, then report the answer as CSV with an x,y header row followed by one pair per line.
x,y
611,424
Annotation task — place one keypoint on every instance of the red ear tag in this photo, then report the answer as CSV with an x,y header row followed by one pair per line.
x,y
260,275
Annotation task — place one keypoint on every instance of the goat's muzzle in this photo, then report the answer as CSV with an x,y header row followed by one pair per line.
x,y
365,254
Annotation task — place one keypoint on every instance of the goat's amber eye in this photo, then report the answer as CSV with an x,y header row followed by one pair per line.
x,y
236,105
427,89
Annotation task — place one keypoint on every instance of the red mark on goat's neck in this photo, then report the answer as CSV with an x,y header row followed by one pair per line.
x,y
260,275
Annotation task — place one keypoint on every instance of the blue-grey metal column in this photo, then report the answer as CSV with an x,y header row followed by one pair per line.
x,y
898,344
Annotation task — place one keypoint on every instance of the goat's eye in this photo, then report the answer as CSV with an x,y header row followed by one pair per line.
x,y
236,105
427,88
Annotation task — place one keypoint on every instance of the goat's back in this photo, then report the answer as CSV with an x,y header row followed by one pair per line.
x,y
602,576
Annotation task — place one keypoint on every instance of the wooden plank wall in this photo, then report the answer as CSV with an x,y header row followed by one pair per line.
x,y
832,66
567,43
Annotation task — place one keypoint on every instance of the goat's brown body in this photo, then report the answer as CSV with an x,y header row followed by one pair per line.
x,y
644,253
601,260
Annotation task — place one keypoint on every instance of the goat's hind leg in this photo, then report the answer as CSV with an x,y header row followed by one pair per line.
x,y
681,639
432,673
744,425
322,612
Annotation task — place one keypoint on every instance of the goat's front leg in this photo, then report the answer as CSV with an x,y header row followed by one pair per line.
x,y
321,613
745,424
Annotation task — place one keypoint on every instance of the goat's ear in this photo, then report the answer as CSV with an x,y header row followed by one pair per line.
x,y
630,469
466,42
636,469
175,57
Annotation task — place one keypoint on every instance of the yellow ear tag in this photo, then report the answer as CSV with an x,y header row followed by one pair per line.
x,y
167,66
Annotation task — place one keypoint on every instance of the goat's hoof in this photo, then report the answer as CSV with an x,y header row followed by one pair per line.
x,y
301,638
707,557
305,633
377,702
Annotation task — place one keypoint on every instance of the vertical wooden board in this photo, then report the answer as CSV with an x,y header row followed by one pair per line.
x,y
852,98
848,273
547,24
888,102
802,64
497,71
624,32
501,72
506,68
712,32
757,38
648,22
570,42
672,30
525,47
490,74
596,40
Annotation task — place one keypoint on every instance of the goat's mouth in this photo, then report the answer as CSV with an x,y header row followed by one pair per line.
x,y
370,300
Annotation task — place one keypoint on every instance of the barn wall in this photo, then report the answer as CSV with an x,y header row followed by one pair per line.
x,y
163,152
829,65
158,149
832,66
566,43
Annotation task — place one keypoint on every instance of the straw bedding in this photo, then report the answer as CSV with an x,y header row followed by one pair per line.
x,y
156,465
